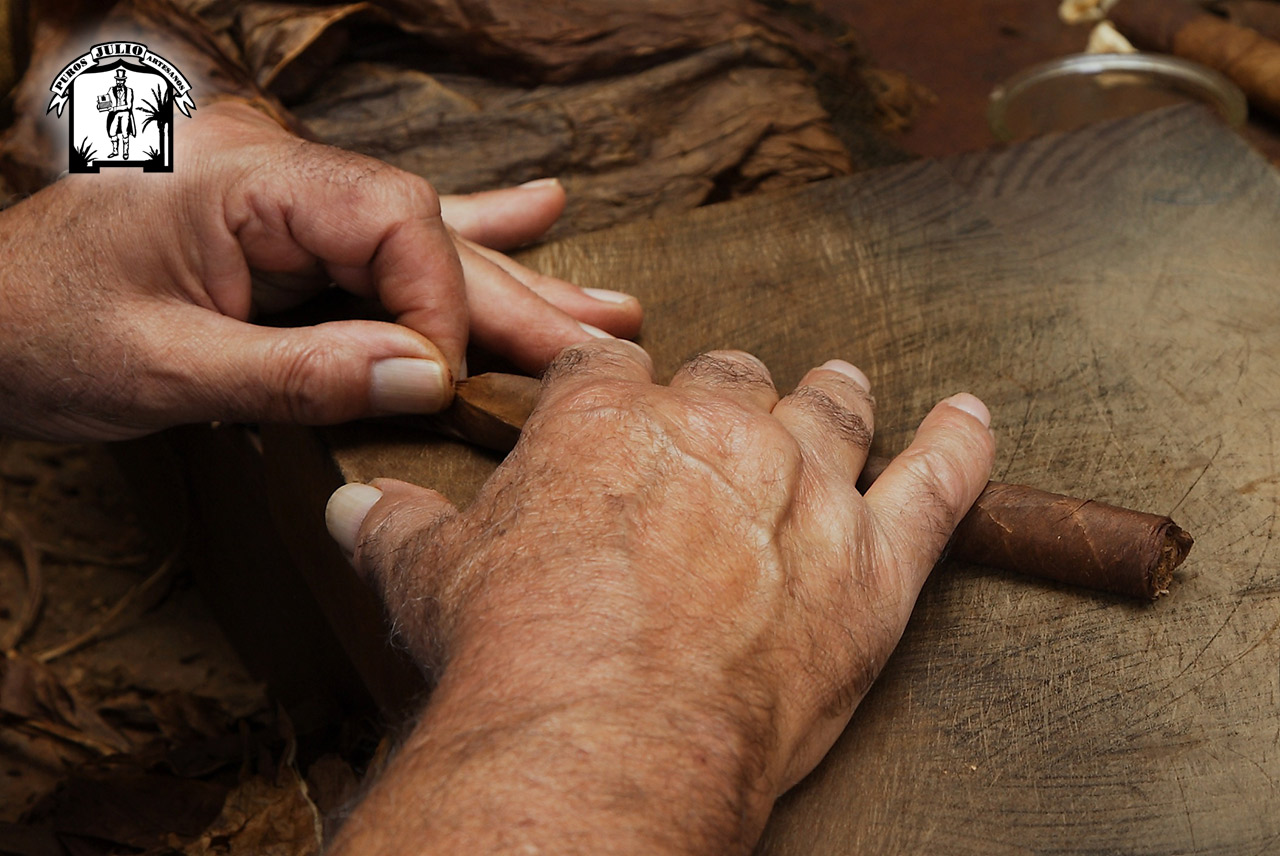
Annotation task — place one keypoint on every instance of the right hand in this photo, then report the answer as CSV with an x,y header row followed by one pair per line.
x,y
126,298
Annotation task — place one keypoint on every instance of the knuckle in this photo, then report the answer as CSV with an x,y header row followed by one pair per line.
x,y
588,399
831,411
419,194
588,358
363,179
732,369
300,381
939,488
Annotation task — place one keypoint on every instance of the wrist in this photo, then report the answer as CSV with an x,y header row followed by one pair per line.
x,y
661,726
604,755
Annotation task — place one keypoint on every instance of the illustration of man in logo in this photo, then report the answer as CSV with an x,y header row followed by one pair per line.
x,y
118,103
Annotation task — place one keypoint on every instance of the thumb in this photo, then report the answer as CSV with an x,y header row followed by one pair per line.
x,y
225,369
385,527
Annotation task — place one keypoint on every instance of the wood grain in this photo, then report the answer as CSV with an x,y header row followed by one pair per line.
x,y
1112,295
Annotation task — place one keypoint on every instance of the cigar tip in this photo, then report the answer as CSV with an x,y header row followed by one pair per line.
x,y
1176,545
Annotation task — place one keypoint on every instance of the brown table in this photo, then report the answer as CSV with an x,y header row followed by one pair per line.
x,y
1114,296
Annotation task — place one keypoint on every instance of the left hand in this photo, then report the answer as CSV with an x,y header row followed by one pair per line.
x,y
659,612
125,298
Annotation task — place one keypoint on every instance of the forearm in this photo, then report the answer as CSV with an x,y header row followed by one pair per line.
x,y
589,764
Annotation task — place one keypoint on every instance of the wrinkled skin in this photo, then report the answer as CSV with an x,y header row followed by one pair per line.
x,y
659,612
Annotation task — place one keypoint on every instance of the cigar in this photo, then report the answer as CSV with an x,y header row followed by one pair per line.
x,y
1011,527
1262,16
1177,27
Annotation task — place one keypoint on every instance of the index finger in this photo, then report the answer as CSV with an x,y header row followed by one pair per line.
x,y
375,227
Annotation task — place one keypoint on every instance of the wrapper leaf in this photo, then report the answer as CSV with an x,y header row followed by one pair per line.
x,y
1077,541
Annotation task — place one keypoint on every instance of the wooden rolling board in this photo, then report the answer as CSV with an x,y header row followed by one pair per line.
x,y
1114,296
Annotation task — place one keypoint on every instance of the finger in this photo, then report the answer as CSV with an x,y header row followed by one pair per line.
x,y
508,217
832,414
511,320
372,226
384,529
927,489
614,311
733,374
211,367
602,359
371,522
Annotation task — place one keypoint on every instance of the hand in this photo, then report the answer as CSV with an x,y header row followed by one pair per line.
x,y
660,611
125,297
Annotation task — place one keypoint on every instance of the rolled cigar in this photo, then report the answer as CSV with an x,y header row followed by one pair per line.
x,y
1179,28
1011,527
1079,541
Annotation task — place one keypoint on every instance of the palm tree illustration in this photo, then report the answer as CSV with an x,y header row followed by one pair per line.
x,y
82,154
160,111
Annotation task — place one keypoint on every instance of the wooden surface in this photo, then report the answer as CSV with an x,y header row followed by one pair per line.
x,y
1113,296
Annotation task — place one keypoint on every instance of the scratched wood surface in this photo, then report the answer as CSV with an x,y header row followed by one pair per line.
x,y
1114,296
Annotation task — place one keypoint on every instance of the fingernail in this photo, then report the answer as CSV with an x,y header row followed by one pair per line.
x,y
850,371
596,331
406,385
347,509
540,182
972,405
607,296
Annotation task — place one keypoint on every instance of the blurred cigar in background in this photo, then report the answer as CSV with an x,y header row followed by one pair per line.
x,y
1184,29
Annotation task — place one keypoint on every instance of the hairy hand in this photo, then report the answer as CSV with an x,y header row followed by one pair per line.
x,y
126,298
685,574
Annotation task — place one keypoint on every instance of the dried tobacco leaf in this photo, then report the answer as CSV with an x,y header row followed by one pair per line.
x,y
264,817
731,119
287,47
643,109
578,39
31,694
125,806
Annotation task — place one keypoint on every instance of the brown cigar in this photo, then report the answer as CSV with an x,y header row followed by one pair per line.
x,y
1011,527
1179,28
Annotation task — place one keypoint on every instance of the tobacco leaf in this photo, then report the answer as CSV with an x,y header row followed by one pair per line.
x,y
729,120
187,718
332,785
124,806
264,817
30,148
287,47
578,39
30,693
643,109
